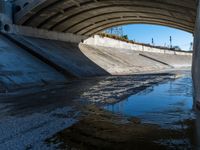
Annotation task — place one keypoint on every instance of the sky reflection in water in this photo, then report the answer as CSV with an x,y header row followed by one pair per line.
x,y
163,104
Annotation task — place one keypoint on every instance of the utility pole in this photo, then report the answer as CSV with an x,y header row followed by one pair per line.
x,y
170,40
191,46
152,41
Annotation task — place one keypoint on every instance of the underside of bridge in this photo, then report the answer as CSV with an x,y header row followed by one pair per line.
x,y
88,17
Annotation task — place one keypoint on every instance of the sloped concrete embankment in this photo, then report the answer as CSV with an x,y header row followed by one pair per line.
x,y
176,61
27,61
32,62
19,69
83,60
125,61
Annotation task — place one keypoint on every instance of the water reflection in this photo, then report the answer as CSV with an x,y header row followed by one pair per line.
x,y
164,104
169,105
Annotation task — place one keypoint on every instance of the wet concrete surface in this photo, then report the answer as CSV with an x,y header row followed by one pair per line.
x,y
69,117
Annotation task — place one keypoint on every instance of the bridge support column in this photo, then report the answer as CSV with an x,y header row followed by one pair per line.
x,y
6,15
196,61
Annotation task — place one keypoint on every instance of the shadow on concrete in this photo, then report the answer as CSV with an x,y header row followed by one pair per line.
x,y
65,57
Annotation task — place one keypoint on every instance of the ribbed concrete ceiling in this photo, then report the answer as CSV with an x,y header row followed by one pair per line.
x,y
87,17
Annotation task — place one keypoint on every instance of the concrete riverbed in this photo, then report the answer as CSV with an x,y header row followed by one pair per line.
x,y
84,114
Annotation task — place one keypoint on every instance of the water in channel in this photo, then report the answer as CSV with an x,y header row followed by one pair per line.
x,y
162,104
169,105
160,116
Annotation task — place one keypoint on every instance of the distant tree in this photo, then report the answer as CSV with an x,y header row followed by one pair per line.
x,y
177,48
125,37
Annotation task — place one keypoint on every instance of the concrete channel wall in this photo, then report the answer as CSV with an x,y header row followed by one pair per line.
x,y
31,61
108,42
66,57
19,69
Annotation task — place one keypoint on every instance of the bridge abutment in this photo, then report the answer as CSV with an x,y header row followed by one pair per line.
x,y
196,60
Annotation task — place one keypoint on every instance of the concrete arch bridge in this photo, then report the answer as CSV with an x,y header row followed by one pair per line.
x,y
75,20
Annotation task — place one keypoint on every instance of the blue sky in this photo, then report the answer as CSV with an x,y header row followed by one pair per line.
x,y
144,33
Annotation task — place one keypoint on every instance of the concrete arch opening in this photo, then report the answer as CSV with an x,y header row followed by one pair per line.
x,y
162,34
139,54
